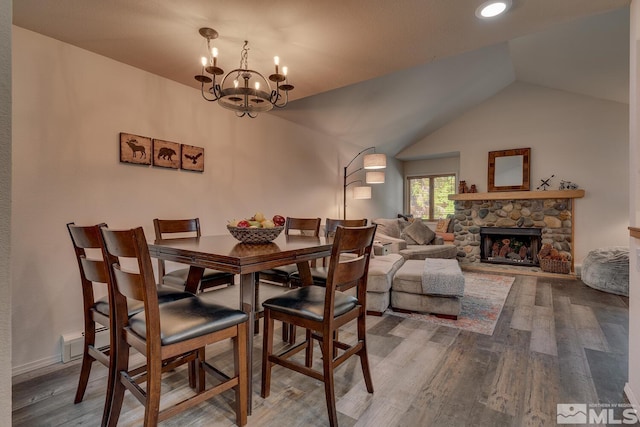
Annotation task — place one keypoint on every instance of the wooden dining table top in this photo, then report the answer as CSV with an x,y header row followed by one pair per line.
x,y
225,253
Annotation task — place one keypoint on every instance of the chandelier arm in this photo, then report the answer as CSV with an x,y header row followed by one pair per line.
x,y
215,93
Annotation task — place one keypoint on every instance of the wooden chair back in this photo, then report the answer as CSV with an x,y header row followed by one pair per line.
x,y
168,228
137,285
305,226
347,272
93,270
331,225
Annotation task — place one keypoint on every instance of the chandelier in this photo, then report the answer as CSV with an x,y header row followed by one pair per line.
x,y
245,91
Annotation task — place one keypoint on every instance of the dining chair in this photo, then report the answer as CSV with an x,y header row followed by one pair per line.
x,y
94,272
319,272
167,335
282,275
172,228
322,311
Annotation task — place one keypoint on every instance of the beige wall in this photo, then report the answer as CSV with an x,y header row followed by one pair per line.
x,y
69,107
577,138
633,387
5,209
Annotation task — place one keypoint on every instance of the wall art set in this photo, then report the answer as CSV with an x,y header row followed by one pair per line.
x,y
142,150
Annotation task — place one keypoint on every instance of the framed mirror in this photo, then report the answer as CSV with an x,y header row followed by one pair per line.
x,y
509,170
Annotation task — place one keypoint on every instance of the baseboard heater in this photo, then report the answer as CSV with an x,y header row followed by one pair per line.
x,y
73,343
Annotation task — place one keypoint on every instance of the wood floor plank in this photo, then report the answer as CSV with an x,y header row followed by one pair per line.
x,y
543,331
524,303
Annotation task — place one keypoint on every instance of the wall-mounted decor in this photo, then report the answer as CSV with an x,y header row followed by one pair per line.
x,y
166,154
509,170
135,149
192,158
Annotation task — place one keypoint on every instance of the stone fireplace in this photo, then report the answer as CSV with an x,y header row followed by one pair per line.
x,y
510,245
526,219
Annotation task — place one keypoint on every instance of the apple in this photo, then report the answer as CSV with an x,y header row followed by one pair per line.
x,y
243,224
278,220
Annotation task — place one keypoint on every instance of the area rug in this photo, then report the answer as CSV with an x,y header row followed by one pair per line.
x,y
484,297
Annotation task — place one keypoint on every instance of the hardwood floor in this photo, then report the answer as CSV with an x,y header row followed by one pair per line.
x,y
556,341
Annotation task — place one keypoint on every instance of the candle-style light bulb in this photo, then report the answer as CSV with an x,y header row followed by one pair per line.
x,y
276,60
285,70
235,83
204,61
214,52
257,85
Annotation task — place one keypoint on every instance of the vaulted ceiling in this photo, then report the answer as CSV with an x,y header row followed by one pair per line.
x,y
369,72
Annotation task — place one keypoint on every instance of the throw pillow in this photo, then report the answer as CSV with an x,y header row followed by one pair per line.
x,y
408,239
450,226
419,232
442,225
390,227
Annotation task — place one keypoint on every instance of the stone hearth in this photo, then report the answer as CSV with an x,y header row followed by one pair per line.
x,y
553,215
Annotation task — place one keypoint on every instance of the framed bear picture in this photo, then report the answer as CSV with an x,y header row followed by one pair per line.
x,y
192,158
166,154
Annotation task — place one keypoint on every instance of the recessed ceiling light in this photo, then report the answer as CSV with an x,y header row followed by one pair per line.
x,y
492,8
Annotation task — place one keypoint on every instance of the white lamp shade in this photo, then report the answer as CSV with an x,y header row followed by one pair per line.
x,y
375,161
361,192
374,178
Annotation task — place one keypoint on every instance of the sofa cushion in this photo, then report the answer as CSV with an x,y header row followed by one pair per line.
x,y
419,232
390,227
381,272
429,251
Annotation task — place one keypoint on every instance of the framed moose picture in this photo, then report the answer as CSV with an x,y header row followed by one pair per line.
x,y
192,158
135,149
166,154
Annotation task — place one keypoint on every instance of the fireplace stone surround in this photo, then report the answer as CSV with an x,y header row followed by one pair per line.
x,y
552,212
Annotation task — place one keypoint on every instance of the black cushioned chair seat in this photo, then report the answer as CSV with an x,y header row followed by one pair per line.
x,y
308,302
284,271
165,294
179,277
189,318
318,274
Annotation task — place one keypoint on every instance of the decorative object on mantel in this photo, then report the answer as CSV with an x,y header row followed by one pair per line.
x,y
245,91
166,154
567,185
462,187
370,161
544,183
473,189
135,149
192,158
509,170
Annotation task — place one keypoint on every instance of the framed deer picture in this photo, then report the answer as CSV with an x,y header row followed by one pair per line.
x,y
135,149
166,154
192,158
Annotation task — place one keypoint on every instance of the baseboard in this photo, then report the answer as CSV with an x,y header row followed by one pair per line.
x,y
36,364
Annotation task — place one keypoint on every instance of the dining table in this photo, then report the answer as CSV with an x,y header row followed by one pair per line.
x,y
225,253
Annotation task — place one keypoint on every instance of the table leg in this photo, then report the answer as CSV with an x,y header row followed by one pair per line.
x,y
305,273
193,279
247,298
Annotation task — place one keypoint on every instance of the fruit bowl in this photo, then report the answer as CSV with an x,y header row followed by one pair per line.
x,y
255,235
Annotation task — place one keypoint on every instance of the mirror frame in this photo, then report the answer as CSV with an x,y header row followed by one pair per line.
x,y
526,156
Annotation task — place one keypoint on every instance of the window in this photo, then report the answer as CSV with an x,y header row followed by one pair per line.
x,y
429,196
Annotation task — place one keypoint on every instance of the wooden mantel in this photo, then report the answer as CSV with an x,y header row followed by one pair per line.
x,y
520,195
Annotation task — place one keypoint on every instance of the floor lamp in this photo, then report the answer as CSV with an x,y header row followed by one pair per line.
x,y
370,162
